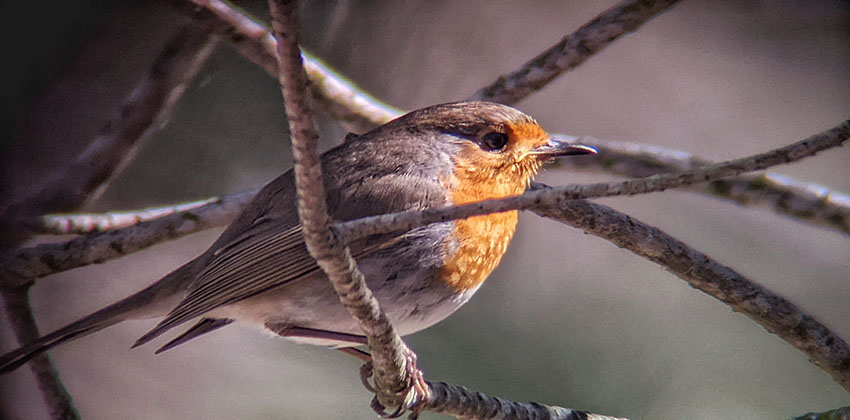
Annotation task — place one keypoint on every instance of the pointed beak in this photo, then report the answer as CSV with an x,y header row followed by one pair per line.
x,y
554,148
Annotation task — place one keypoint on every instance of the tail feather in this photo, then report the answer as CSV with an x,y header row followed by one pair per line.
x,y
206,325
156,299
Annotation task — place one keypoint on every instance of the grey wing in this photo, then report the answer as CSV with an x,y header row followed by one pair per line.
x,y
261,259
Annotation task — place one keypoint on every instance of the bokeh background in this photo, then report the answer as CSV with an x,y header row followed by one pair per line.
x,y
567,318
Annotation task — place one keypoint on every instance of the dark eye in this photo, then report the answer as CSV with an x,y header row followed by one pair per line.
x,y
494,141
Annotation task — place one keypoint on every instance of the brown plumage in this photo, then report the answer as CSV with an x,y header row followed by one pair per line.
x,y
259,272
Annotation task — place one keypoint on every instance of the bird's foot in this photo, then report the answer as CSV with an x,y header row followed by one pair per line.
x,y
416,396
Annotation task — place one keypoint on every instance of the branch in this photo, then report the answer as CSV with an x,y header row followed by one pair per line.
x,y
571,51
41,260
404,221
395,376
842,413
773,312
460,402
144,111
83,223
802,201
341,99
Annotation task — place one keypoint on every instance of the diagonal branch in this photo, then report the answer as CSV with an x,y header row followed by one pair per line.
x,y
773,312
553,196
143,112
802,201
341,99
572,50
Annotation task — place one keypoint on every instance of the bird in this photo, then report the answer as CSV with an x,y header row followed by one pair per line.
x,y
259,272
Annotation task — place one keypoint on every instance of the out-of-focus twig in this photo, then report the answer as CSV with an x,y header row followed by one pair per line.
x,y
143,112
82,223
775,313
572,50
341,99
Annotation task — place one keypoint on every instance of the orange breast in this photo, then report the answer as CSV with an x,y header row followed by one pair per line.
x,y
481,240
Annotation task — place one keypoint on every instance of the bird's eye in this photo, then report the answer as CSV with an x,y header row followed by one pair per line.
x,y
495,141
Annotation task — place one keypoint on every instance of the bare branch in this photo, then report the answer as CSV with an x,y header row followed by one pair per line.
x,y
571,51
394,378
842,413
553,196
460,402
17,308
801,201
41,260
775,313
144,111
82,223
341,99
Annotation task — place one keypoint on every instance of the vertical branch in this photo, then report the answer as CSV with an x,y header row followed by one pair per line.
x,y
389,354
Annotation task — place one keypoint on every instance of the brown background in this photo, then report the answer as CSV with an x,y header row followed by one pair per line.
x,y
567,319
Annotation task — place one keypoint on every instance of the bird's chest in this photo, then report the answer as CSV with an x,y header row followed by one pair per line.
x,y
478,246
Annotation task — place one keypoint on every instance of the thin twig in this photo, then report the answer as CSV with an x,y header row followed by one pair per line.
x,y
82,223
144,111
404,221
393,377
801,201
572,50
342,100
775,313
38,261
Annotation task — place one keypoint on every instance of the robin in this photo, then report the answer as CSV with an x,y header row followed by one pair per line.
x,y
259,272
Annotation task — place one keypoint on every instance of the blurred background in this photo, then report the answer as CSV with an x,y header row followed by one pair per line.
x,y
567,318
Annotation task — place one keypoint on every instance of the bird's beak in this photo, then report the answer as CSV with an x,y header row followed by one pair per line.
x,y
555,148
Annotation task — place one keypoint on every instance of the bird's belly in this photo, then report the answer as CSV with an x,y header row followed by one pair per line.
x,y
413,302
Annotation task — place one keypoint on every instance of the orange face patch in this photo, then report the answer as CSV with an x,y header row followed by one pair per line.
x,y
481,175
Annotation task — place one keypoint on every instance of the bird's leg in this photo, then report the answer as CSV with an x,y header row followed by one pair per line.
x,y
418,393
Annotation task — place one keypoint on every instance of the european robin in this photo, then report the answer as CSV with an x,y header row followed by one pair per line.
x,y
258,271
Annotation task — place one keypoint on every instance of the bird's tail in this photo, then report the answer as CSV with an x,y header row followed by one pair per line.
x,y
156,299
